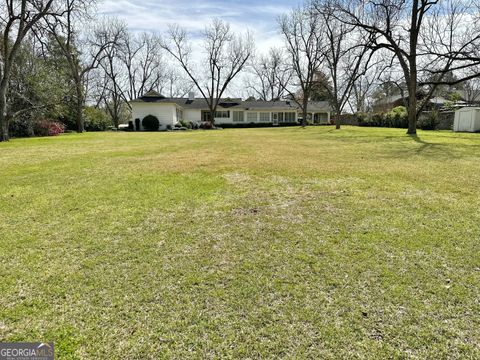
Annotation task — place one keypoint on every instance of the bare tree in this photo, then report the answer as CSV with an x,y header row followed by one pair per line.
x,y
366,84
346,57
269,73
302,30
142,57
226,55
17,19
114,82
176,84
471,90
66,32
425,36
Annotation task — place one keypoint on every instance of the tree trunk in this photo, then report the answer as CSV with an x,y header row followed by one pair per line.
x,y
79,109
337,119
212,117
412,120
337,122
79,117
412,106
115,117
4,129
304,118
304,113
116,122
30,130
3,114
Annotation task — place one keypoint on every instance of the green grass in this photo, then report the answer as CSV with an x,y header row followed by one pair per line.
x,y
252,243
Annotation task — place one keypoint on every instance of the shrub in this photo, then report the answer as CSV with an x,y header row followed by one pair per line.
x,y
397,117
96,119
428,120
20,127
185,123
448,105
206,125
48,128
56,128
361,117
150,123
376,119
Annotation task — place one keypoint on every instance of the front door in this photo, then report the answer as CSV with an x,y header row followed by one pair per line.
x,y
206,116
275,118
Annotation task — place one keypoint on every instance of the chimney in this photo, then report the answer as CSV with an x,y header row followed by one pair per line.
x,y
191,96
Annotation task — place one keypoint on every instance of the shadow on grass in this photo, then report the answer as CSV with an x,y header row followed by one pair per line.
x,y
427,149
362,138
423,144
443,148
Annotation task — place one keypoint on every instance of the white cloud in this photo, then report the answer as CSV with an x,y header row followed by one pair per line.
x,y
155,16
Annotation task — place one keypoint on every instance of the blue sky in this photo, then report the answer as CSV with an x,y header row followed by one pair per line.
x,y
260,17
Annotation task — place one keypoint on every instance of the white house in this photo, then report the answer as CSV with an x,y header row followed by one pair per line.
x,y
230,112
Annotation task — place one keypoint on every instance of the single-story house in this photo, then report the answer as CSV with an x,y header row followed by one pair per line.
x,y
230,112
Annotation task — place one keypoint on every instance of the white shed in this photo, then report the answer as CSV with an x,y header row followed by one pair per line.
x,y
467,119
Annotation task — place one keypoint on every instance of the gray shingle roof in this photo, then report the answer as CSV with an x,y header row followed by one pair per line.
x,y
228,103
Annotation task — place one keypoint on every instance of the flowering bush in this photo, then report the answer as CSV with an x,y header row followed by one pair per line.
x,y
56,128
48,128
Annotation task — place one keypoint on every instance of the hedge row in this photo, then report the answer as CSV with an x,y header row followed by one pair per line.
x,y
398,118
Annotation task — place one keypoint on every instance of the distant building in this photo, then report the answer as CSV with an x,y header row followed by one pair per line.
x,y
170,111
435,103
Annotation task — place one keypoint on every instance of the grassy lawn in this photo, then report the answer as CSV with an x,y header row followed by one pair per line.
x,y
247,243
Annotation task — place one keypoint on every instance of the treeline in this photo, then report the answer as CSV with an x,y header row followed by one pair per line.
x,y
62,67
350,49
65,69
41,95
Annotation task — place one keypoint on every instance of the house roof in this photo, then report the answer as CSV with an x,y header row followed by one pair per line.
x,y
231,103
264,105
318,106
437,100
388,100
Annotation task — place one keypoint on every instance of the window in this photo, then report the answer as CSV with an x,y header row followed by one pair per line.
x,y
206,116
264,117
289,117
179,114
280,117
222,114
238,116
252,117
323,117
